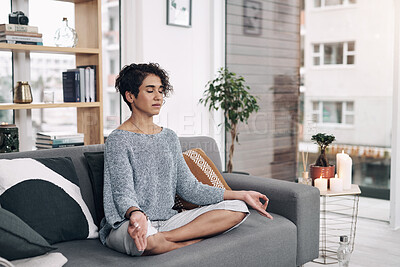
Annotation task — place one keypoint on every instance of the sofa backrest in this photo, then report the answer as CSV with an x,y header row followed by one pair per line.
x,y
76,154
206,143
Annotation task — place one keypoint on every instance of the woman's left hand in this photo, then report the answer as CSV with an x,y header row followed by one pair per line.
x,y
252,198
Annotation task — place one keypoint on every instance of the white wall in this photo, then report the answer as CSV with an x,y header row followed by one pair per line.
x,y
191,56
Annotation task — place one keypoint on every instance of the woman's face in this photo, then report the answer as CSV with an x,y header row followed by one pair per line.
x,y
150,97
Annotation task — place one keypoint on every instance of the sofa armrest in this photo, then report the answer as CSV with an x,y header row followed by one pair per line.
x,y
296,202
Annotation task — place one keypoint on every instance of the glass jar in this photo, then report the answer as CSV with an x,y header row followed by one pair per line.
x,y
65,36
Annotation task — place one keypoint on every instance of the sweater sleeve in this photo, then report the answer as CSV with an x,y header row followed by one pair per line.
x,y
189,188
119,187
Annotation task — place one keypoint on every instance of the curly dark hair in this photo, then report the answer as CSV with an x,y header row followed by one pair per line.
x,y
131,78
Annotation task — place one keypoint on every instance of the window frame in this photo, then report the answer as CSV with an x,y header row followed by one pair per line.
x,y
345,112
346,3
321,54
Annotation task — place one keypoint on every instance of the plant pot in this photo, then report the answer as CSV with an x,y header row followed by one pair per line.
x,y
324,172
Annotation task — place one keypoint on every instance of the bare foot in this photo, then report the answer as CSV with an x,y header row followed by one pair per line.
x,y
158,244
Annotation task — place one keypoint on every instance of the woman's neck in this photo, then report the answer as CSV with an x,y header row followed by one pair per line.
x,y
142,124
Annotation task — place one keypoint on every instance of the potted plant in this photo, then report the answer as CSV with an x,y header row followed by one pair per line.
x,y
230,93
321,167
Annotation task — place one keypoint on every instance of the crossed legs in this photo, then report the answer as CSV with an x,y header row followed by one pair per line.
x,y
206,225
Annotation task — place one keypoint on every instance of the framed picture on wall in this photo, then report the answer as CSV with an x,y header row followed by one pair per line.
x,y
252,17
179,13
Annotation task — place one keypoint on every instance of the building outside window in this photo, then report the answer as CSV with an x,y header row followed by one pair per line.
x,y
334,53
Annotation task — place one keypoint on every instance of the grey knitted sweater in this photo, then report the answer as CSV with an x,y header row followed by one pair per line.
x,y
146,171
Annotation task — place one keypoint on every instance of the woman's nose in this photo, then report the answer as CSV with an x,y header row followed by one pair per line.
x,y
158,95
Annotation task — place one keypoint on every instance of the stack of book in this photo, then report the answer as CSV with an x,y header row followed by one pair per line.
x,y
79,85
20,34
46,140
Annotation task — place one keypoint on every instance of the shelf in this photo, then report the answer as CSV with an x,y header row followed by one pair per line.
x,y
6,106
47,49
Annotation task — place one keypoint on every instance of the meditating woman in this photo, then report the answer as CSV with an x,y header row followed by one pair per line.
x,y
144,169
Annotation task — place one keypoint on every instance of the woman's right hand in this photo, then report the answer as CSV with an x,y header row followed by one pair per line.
x,y
137,229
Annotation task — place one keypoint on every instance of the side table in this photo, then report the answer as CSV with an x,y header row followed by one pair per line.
x,y
338,216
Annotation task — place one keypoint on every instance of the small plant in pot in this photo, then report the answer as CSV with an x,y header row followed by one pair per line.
x,y
321,167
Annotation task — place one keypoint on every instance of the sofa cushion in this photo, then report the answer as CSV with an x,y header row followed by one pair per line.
x,y
18,240
257,242
95,162
45,194
204,170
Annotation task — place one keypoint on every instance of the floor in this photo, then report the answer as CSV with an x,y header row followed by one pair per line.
x,y
376,244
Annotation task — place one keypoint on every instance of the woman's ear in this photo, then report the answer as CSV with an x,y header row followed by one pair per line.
x,y
129,96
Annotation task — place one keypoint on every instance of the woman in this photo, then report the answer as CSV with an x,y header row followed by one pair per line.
x,y
144,169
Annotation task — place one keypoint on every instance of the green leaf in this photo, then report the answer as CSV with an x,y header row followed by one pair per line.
x,y
229,92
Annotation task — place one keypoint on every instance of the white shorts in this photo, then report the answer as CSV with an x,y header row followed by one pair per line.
x,y
121,241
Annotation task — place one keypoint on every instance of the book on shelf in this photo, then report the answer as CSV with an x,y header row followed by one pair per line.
x,y
71,86
20,38
58,135
15,33
87,82
48,146
21,42
90,83
18,28
82,84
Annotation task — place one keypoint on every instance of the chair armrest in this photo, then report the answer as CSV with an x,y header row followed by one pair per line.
x,y
297,202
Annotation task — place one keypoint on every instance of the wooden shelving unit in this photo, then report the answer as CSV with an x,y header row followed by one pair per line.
x,y
48,49
87,52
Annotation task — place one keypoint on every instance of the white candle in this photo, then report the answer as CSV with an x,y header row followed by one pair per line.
x,y
321,184
336,184
346,164
339,158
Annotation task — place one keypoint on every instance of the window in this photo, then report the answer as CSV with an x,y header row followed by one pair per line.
x,y
334,53
111,64
111,24
44,78
5,71
327,3
335,31
333,112
6,85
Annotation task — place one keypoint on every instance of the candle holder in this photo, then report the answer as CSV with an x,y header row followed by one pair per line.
x,y
305,179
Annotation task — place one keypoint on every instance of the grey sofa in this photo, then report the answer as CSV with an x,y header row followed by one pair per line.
x,y
291,239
